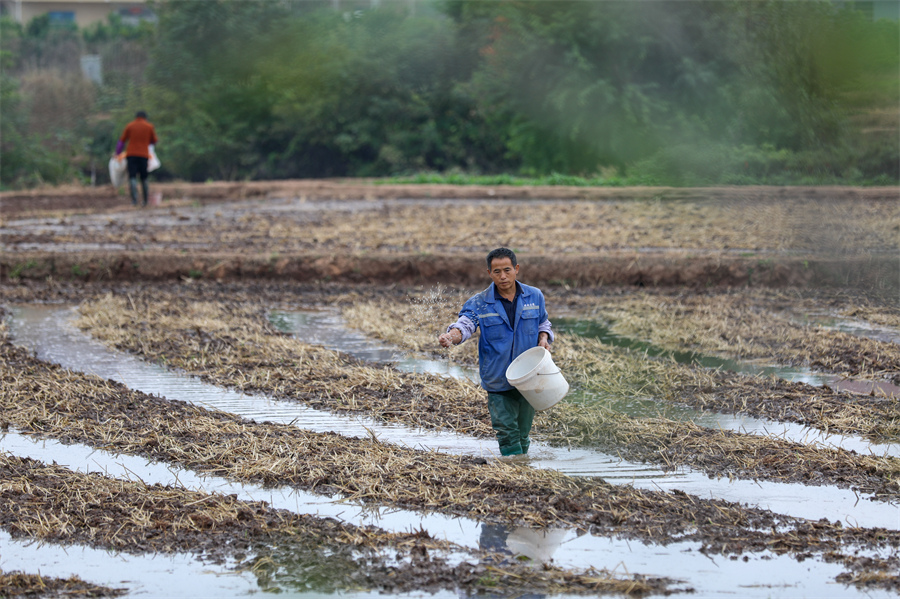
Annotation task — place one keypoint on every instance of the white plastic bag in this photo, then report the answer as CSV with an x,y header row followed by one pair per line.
x,y
153,163
118,171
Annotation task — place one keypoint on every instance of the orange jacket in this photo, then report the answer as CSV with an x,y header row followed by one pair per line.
x,y
139,134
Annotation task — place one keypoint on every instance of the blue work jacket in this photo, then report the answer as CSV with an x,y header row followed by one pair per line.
x,y
500,343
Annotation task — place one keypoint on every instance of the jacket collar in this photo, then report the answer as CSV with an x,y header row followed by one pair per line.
x,y
495,293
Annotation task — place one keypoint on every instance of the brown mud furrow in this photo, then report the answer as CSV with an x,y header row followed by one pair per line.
x,y
361,232
645,269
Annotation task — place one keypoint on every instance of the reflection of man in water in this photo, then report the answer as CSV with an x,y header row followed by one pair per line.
x,y
493,539
139,134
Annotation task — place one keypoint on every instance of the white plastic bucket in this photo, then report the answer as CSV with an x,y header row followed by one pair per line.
x,y
537,378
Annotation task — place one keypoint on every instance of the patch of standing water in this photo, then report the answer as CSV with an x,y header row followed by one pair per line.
x,y
327,328
163,575
791,432
155,575
159,575
50,333
851,326
597,330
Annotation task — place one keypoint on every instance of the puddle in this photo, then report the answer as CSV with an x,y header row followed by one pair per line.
x,y
83,458
600,331
327,328
178,575
162,575
851,326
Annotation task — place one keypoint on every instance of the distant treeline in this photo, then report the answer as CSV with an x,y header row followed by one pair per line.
x,y
615,92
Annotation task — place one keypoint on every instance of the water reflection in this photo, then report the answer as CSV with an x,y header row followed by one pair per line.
x,y
326,328
536,545
50,333
851,326
598,330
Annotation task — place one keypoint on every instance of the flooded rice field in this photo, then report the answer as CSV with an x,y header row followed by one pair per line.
x,y
49,332
240,392
52,333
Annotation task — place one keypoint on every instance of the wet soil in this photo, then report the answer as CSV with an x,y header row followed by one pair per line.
x,y
366,233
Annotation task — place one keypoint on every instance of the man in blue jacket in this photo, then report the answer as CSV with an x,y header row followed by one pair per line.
x,y
513,318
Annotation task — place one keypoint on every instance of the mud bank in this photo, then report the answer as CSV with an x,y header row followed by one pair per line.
x,y
361,232
625,268
68,198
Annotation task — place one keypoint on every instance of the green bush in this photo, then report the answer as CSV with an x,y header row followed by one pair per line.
x,y
514,93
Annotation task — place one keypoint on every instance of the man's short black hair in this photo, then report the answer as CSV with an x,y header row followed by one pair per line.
x,y
501,253
140,114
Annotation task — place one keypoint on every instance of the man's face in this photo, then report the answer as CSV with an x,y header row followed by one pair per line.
x,y
503,273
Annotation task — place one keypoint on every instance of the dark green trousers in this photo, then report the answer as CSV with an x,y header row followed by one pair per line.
x,y
511,418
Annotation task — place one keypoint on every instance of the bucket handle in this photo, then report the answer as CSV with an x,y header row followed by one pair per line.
x,y
548,373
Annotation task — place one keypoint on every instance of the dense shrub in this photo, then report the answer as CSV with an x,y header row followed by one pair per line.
x,y
675,93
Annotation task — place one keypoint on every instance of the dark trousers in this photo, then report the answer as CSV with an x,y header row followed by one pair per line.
x,y
137,167
511,418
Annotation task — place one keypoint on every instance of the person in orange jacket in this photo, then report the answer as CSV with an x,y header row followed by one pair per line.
x,y
139,135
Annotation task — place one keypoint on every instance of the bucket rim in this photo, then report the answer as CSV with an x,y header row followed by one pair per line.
x,y
544,353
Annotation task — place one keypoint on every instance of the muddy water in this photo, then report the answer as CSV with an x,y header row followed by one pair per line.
x,y
50,333
326,328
